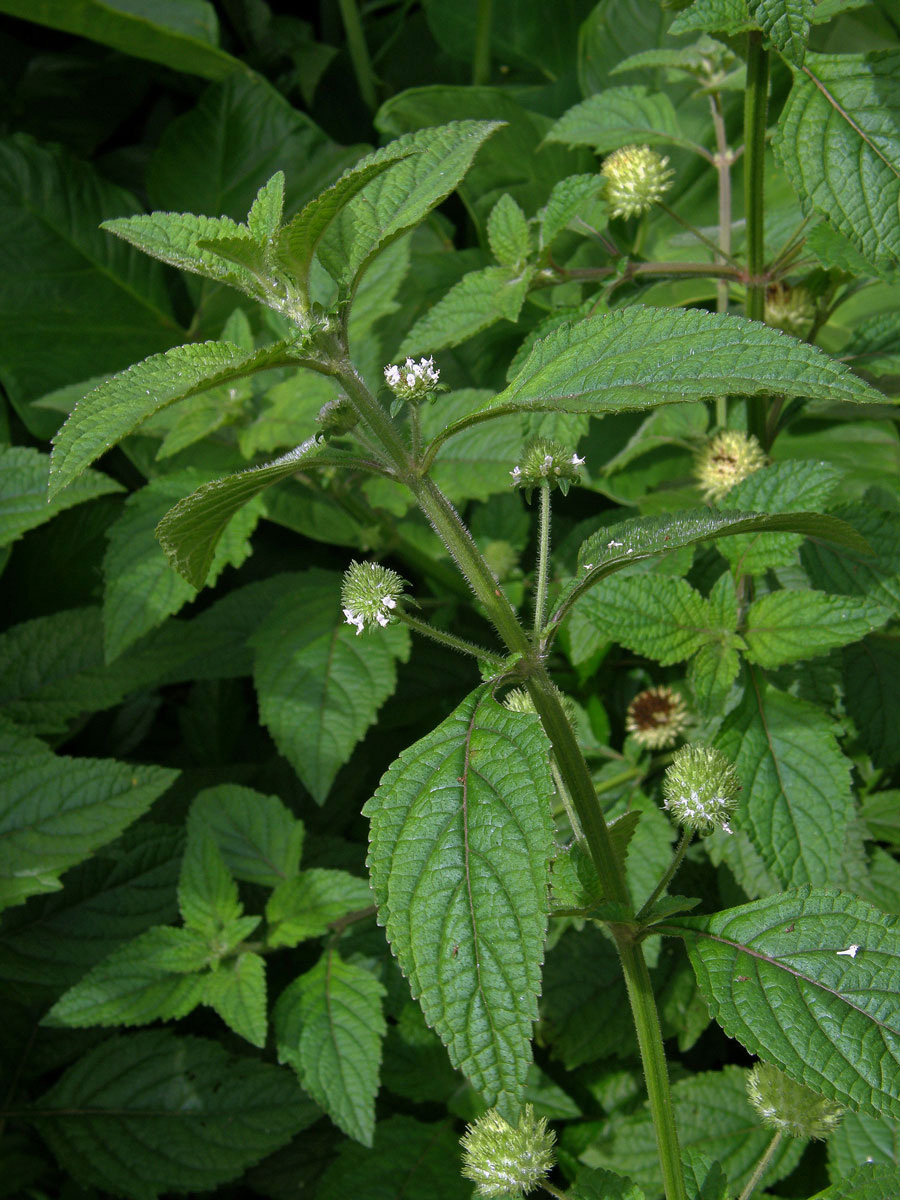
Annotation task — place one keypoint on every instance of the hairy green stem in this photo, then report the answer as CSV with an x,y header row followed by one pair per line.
x,y
359,52
567,753
543,561
481,59
653,1059
756,99
680,851
451,640
692,229
761,1167
722,162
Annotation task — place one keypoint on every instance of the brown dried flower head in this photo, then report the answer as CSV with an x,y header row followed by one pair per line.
x,y
657,717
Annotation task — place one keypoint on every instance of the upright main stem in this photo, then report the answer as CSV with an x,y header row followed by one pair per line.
x,y
756,99
540,592
571,763
359,52
481,60
723,169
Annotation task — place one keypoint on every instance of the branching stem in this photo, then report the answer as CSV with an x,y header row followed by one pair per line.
x,y
680,851
451,640
756,1178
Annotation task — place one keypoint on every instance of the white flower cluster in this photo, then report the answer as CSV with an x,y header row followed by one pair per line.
x,y
414,380
545,464
369,595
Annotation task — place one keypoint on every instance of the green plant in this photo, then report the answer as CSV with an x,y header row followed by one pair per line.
x,y
726,546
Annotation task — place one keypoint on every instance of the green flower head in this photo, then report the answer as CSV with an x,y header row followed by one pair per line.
x,y
725,460
369,595
545,463
790,1107
636,179
701,788
502,1160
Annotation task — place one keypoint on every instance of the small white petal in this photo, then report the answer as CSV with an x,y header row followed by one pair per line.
x,y
851,951
613,545
576,461
388,602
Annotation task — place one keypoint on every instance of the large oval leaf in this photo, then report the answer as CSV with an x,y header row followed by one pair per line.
x,y
460,843
810,981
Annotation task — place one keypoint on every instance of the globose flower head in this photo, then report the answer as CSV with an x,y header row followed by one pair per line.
x,y
790,309
545,463
790,1107
414,381
725,460
369,595
337,417
656,717
502,1160
701,788
636,179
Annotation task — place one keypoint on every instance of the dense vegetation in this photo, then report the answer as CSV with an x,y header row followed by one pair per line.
x,y
450,536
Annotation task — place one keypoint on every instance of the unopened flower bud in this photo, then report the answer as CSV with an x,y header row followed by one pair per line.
x,y
789,308
656,717
636,179
790,1107
413,381
337,416
502,558
502,1160
369,595
725,460
545,463
701,788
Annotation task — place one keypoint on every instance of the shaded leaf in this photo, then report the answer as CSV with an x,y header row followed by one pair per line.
x,y
783,627
24,473
258,837
236,989
305,906
620,116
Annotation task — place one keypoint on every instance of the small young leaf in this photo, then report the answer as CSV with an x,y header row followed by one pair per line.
x,y
236,989
786,24
207,895
56,811
713,16
152,1113
304,907
783,627
23,491
480,299
329,1027
189,533
834,964
796,804
570,199
264,216
155,977
619,117
119,405
459,852
320,686
839,141
187,241
508,234
259,839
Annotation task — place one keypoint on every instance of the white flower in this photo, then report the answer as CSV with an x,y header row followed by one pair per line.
x,y
416,381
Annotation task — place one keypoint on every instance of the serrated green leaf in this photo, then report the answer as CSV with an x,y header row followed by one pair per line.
x,y
56,811
796,804
189,242
570,198
259,839
189,533
635,358
23,491
155,977
508,234
421,1159
264,217
874,344
862,1138
320,686
839,141
66,284
786,24
598,1184
329,1027
119,405
781,488
713,16
712,672
181,36
871,1181
713,1115
299,239
620,116
832,249
436,160
236,989
657,616
870,671
852,574
615,547
704,1180
778,976
55,939
141,588
480,299
207,895
150,1112
784,627
304,907
459,851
